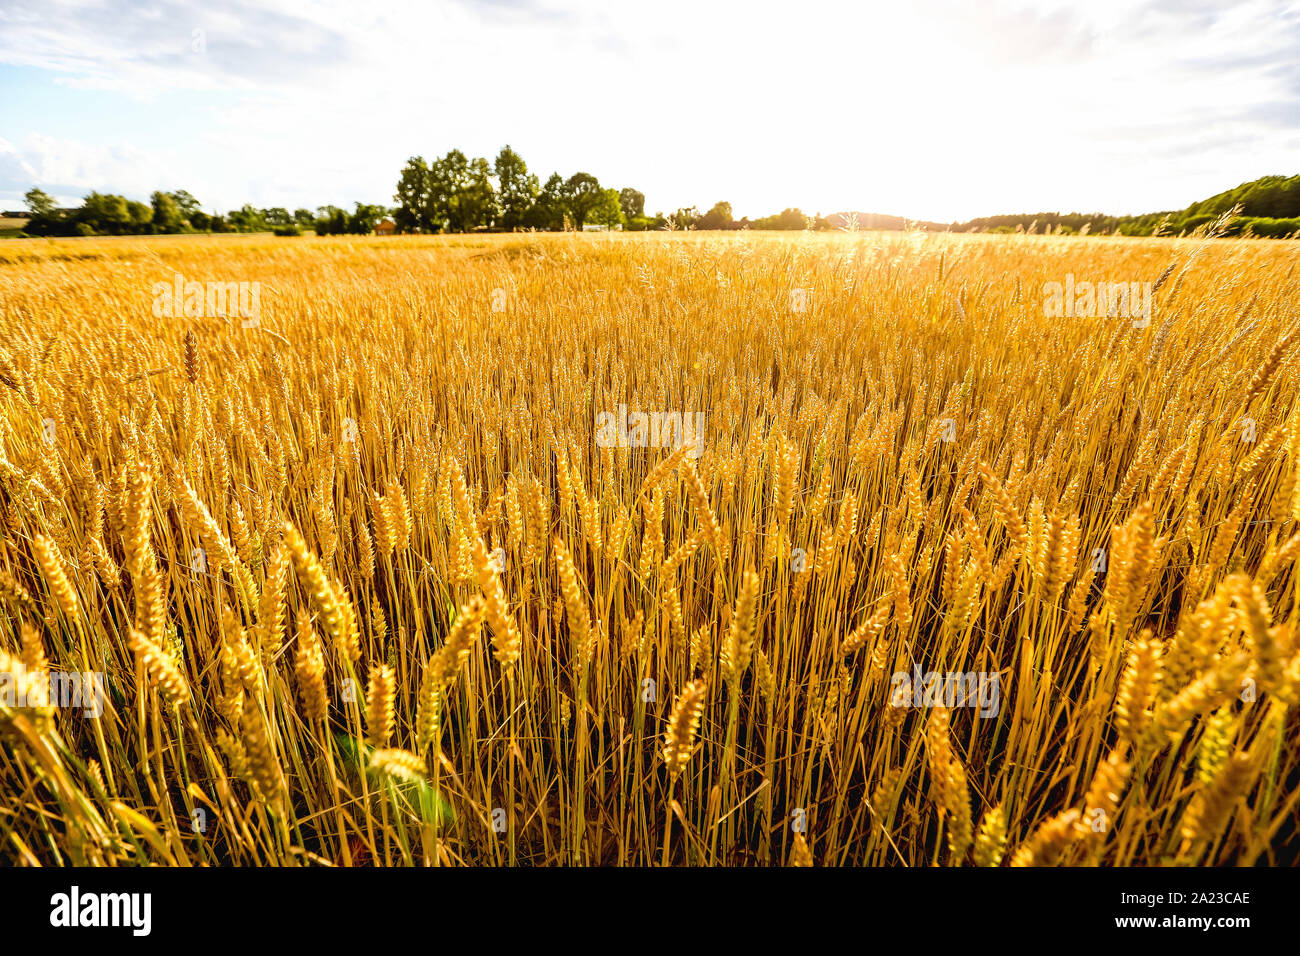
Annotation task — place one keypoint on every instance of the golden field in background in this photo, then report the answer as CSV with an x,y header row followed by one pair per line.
x,y
364,589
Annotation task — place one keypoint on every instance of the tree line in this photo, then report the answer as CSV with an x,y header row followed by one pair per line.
x,y
453,193
457,194
1269,207
106,214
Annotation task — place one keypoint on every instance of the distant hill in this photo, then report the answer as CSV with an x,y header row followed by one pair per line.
x,y
1270,206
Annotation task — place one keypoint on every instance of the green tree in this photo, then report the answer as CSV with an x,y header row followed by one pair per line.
x,y
141,217
39,202
581,194
792,218
303,218
607,212
103,213
518,188
186,203
247,219
476,205
547,211
331,221
412,197
685,217
448,178
719,217
461,196
166,214
363,219
46,220
277,216
632,202
643,223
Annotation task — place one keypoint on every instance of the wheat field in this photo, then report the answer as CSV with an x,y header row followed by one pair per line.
x,y
363,588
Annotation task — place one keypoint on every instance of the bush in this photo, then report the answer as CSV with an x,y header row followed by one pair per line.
x,y
1269,228
289,230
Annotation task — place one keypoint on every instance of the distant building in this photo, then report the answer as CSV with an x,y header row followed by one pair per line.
x,y
598,227
385,227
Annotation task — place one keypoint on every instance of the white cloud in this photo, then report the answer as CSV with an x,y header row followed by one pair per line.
x,y
14,169
933,109
68,169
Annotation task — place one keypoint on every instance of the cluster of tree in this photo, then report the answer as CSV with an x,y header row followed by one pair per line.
x,y
457,194
1269,206
333,221
452,194
1269,197
720,216
105,214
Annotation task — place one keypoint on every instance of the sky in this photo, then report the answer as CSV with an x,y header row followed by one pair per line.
x,y
929,109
